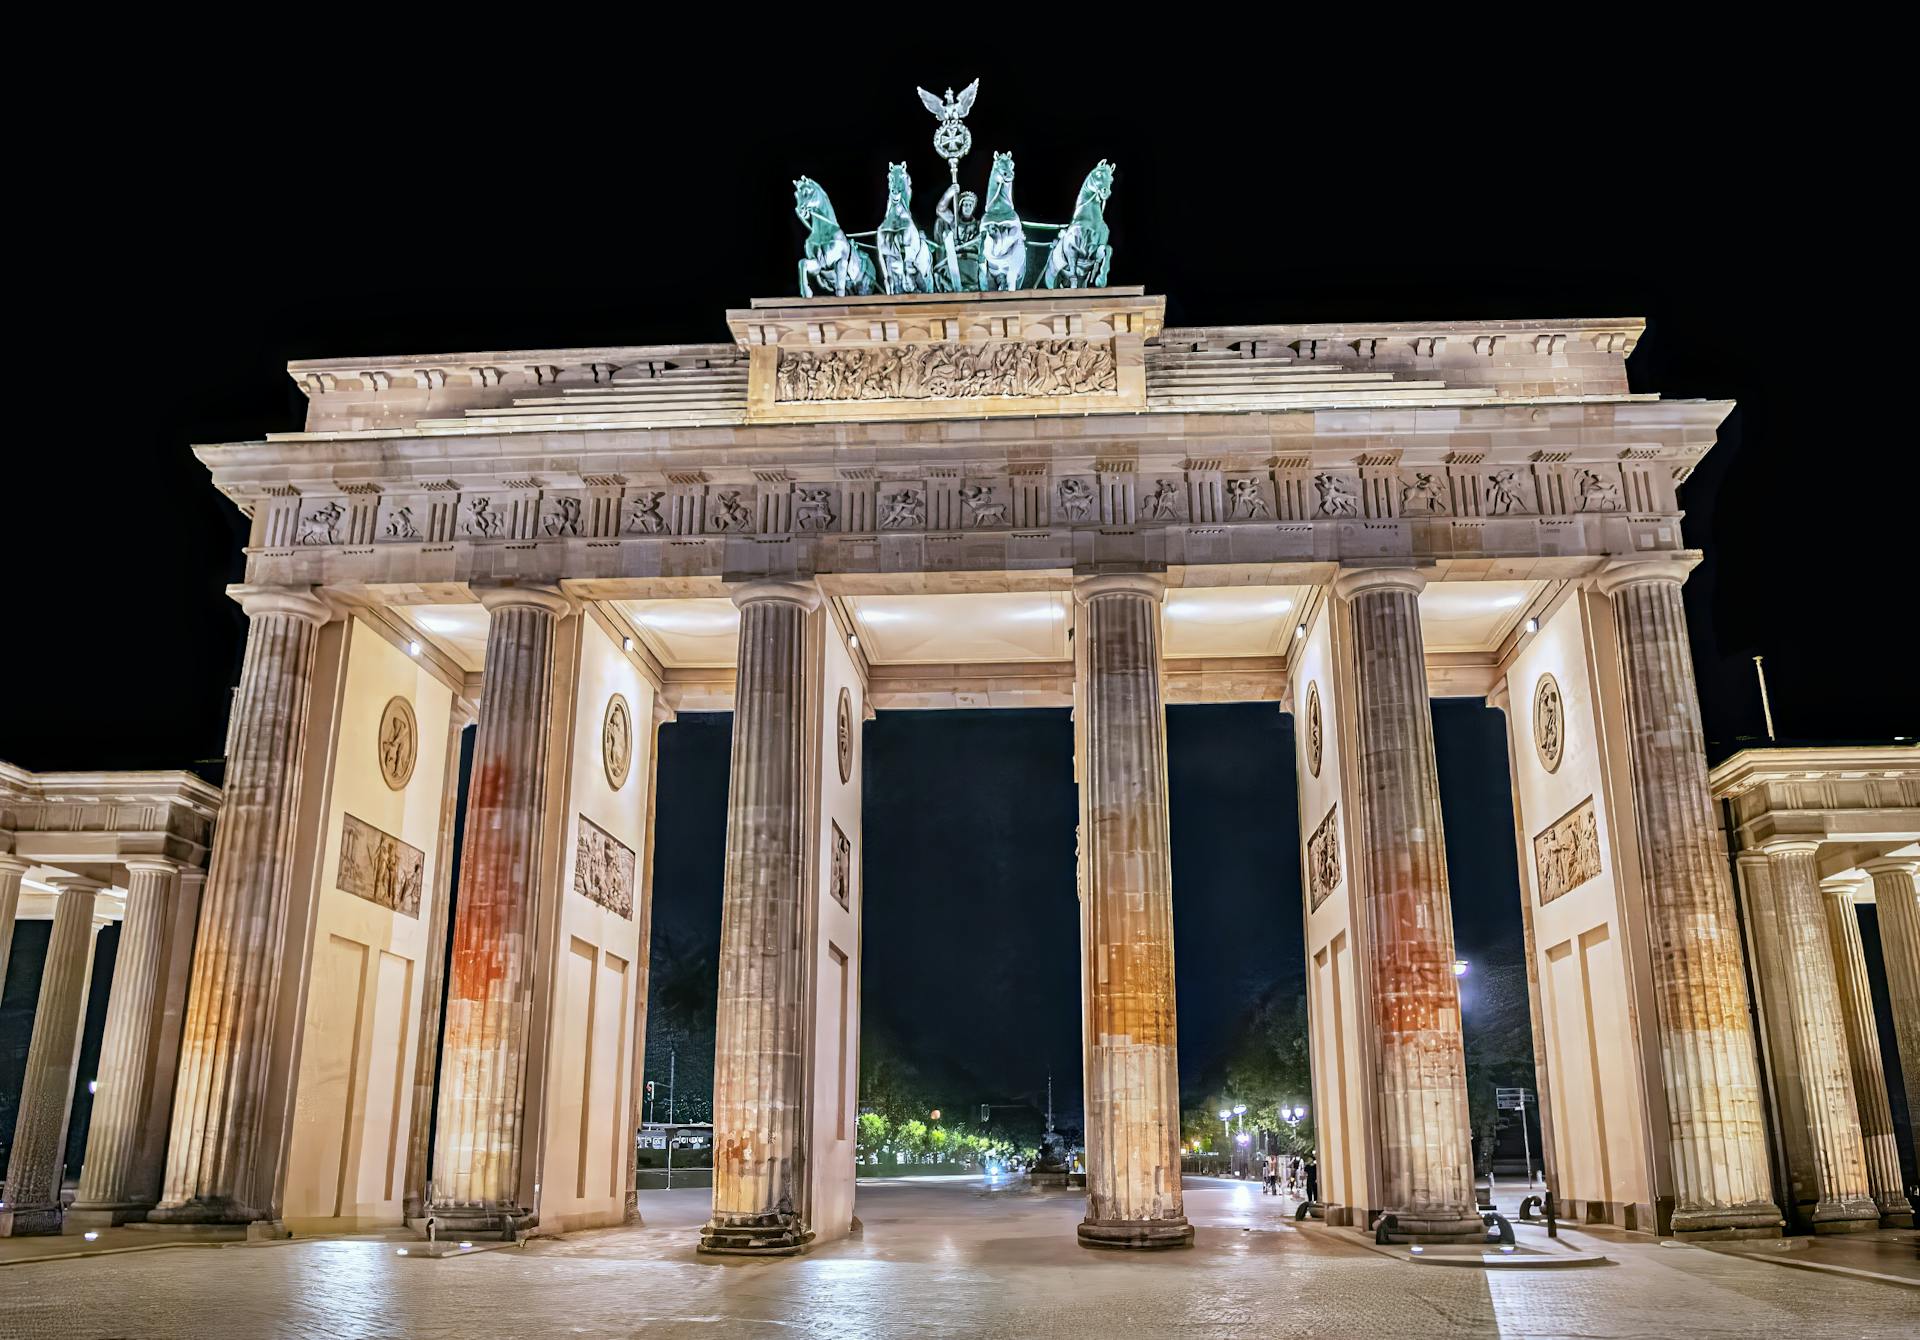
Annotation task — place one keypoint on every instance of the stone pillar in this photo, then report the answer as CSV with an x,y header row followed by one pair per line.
x,y
1898,911
1126,919
12,869
39,1157
644,900
116,1134
760,1107
1843,1202
1722,1180
221,1089
433,991
483,1058
1863,1052
1426,1139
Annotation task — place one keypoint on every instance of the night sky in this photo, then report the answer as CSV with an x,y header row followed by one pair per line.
x,y
420,206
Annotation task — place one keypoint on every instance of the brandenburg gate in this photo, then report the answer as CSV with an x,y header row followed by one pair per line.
x,y
1022,493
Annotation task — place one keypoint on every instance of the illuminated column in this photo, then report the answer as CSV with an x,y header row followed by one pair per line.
x,y
483,1058
1863,1053
1126,919
12,868
1722,1180
760,1108
221,1087
1426,1152
661,715
1898,910
39,1157
1843,1203
116,1132
427,1043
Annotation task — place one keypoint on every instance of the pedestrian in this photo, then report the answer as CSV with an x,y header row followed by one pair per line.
x,y
1272,1188
1313,1181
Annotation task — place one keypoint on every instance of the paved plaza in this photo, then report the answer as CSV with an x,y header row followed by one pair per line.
x,y
949,1257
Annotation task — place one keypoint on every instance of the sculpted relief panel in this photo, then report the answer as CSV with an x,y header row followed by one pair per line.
x,y
1323,859
1567,854
947,371
603,869
379,867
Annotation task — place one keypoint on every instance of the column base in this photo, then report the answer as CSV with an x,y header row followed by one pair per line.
x,y
268,1230
1846,1216
1439,1224
508,1223
205,1210
1136,1234
1048,1177
1761,1219
31,1221
755,1235
81,1217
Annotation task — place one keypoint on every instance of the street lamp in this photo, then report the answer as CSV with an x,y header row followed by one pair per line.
x,y
1459,967
1226,1125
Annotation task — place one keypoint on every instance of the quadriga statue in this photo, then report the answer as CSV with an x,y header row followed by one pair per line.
x,y
906,261
1081,253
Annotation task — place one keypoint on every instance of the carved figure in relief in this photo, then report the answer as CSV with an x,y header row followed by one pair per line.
x,y
831,256
982,510
400,525
1245,494
322,525
644,517
813,509
730,512
1323,859
1003,241
482,519
563,518
1076,498
1505,493
906,262
1598,494
1162,503
396,747
1336,499
946,371
905,509
1080,254
1567,854
1421,494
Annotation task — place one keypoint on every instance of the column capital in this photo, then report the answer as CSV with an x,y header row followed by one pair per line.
x,y
1621,572
1149,584
65,884
1844,886
1892,865
548,598
16,864
300,601
805,594
166,865
1352,582
1782,846
1499,697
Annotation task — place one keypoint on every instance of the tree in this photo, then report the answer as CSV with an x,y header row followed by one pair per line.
x,y
939,1141
871,1133
911,1139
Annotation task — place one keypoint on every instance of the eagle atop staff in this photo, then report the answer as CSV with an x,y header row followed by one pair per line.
x,y
952,108
952,140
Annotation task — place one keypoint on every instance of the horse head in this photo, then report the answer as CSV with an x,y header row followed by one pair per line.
x,y
810,201
1099,183
1000,190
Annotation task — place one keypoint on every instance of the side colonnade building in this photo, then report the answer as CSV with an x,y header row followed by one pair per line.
x,y
1028,498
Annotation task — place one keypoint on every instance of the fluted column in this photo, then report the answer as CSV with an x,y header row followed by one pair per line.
x,y
1722,1180
483,1058
1863,1054
1898,910
116,1132
221,1088
760,1107
1126,916
39,1157
1421,1076
12,868
662,714
1843,1202
432,992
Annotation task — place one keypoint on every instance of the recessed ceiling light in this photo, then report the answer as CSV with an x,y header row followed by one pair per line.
x,y
413,648
1299,630
626,644
1533,625
853,640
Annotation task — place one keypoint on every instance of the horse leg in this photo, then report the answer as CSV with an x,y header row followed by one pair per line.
x,y
806,289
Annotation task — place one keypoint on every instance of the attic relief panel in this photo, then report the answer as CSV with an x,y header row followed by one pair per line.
x,y
1049,368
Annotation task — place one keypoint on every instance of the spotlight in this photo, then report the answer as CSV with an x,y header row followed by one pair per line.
x,y
626,644
1416,1250
1459,967
93,1086
90,1236
1533,625
853,640
401,1252
466,1246
1299,631
413,648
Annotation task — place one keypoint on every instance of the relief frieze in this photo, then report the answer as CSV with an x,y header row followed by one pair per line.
x,y
603,869
1323,859
947,371
1567,854
379,867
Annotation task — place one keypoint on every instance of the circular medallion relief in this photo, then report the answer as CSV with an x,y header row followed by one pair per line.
x,y
1549,723
844,729
1315,740
399,742
616,741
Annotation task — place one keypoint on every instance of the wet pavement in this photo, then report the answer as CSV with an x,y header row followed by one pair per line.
x,y
947,1257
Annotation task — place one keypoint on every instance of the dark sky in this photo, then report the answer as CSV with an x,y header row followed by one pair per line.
x,y
204,224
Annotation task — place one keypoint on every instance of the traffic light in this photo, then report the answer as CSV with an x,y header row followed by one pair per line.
x,y
649,1091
